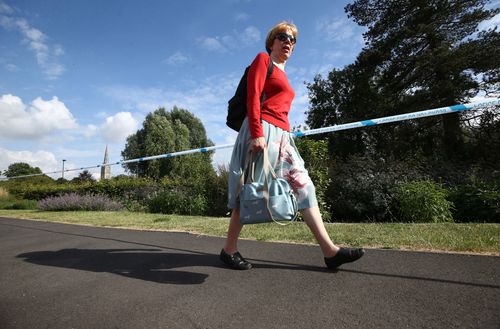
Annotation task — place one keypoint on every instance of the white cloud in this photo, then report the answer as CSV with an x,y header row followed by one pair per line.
x,y
90,131
58,50
206,98
339,29
39,119
240,17
11,67
229,41
135,98
114,129
176,59
7,22
334,55
212,44
46,161
118,127
45,54
5,9
249,36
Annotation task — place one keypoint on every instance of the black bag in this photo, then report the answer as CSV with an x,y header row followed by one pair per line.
x,y
237,105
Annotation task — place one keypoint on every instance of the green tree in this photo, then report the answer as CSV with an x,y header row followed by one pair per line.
x,y
418,55
166,132
84,176
21,169
427,56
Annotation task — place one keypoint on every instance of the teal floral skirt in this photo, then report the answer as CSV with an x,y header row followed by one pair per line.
x,y
285,159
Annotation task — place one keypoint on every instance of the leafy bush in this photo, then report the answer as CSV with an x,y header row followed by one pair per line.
x,y
315,154
180,202
363,187
114,188
422,201
8,201
17,204
39,192
476,202
137,198
216,193
73,201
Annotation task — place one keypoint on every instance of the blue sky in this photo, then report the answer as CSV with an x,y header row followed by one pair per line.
x,y
78,75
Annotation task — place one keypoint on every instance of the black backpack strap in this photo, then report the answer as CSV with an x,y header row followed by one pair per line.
x,y
269,71
270,67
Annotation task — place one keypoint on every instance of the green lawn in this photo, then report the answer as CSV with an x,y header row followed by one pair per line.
x,y
476,238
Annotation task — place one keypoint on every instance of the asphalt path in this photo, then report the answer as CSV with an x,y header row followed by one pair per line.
x,y
69,276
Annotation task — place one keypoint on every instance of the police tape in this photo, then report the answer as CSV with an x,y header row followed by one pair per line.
x,y
352,125
400,117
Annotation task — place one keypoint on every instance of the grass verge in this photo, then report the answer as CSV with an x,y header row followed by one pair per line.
x,y
449,237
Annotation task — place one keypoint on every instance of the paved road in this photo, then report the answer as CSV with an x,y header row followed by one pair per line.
x,y
65,276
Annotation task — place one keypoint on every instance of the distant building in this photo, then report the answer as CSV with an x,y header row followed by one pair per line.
x,y
105,169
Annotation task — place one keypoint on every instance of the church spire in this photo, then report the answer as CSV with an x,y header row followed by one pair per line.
x,y
105,169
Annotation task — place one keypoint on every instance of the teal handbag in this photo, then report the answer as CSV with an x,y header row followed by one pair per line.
x,y
271,200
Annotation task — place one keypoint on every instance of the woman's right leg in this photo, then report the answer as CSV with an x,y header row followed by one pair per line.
x,y
312,217
233,232
334,256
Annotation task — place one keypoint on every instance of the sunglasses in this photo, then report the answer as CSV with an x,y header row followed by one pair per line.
x,y
285,37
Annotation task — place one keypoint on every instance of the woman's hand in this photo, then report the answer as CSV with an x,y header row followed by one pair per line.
x,y
258,144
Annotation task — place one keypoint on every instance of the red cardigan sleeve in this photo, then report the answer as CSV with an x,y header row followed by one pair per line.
x,y
255,85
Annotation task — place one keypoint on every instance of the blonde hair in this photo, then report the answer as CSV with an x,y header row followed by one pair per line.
x,y
279,28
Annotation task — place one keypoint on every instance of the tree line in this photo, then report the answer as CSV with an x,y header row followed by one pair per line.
x,y
418,55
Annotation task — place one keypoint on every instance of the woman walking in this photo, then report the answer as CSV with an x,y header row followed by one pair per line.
x,y
266,127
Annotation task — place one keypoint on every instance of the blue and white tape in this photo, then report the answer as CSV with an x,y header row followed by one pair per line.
x,y
170,155
400,117
352,125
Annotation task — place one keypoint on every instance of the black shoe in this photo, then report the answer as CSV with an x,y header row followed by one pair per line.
x,y
344,255
235,261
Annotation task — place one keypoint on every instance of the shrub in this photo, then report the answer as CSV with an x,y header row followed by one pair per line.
x,y
216,193
137,198
116,188
476,202
73,201
422,201
8,201
363,187
17,204
317,158
180,202
41,191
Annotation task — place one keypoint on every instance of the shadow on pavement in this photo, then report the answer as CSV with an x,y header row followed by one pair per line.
x,y
102,238
144,264
156,265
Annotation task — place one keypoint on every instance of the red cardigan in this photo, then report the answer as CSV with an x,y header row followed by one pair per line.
x,y
278,96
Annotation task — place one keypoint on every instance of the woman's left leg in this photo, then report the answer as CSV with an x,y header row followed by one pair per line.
x,y
233,232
